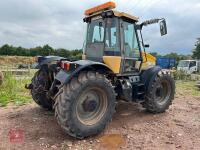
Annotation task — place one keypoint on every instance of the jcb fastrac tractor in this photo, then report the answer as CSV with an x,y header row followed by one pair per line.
x,y
114,67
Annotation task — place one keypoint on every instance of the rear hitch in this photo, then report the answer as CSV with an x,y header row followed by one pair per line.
x,y
29,86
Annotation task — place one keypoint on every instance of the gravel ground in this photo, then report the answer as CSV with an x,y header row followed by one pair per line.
x,y
131,128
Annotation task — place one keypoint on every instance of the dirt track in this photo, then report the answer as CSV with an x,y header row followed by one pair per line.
x,y
131,128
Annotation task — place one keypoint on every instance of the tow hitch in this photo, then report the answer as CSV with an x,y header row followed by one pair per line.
x,y
29,86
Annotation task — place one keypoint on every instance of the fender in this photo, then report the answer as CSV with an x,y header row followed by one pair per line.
x,y
148,75
65,76
44,60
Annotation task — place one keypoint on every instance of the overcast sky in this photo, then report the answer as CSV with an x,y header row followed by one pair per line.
x,y
31,23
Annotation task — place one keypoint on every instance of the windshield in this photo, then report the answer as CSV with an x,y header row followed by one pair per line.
x,y
183,64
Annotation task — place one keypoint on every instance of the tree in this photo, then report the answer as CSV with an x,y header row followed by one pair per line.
x,y
196,51
47,50
4,49
63,53
172,55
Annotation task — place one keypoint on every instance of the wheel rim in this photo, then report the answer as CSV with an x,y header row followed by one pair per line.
x,y
162,92
91,106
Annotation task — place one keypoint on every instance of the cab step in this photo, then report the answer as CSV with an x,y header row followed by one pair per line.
x,y
138,91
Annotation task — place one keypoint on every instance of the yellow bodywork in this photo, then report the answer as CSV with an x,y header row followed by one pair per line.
x,y
113,62
148,61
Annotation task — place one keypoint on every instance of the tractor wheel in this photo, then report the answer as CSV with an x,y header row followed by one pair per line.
x,y
160,93
85,105
40,86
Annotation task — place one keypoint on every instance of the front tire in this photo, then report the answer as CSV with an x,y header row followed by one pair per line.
x,y
85,105
160,93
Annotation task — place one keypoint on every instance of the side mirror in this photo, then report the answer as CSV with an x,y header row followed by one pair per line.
x,y
146,46
163,27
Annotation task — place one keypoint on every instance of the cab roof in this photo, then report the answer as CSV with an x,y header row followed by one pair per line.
x,y
106,7
117,14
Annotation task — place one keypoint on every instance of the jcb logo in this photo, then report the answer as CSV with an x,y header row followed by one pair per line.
x,y
16,135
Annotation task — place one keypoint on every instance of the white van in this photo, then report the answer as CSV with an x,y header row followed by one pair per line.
x,y
189,66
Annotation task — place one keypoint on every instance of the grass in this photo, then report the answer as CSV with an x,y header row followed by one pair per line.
x,y
187,88
13,91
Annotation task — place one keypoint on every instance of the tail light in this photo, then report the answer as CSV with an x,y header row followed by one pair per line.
x,y
65,65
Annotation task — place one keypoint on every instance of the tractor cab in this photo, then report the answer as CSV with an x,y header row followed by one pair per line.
x,y
113,39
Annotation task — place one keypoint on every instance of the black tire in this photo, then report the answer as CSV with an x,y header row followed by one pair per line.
x,y
67,103
160,93
41,85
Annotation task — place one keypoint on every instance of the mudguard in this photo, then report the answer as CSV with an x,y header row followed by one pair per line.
x,y
148,75
42,60
65,76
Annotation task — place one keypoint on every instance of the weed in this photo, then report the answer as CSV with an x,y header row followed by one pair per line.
x,y
12,90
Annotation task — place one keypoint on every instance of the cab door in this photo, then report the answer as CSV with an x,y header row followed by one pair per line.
x,y
130,47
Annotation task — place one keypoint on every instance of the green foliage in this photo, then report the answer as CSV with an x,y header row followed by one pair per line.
x,y
45,50
196,51
181,75
12,90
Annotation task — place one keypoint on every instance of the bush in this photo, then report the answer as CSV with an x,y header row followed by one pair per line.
x,y
181,75
12,90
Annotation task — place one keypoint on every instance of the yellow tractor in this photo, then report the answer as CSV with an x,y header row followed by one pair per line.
x,y
114,67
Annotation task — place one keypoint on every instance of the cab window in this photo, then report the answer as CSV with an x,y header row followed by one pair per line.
x,y
111,40
95,32
94,48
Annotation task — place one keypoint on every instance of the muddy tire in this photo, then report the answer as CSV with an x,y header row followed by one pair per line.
x,y
41,84
85,105
160,93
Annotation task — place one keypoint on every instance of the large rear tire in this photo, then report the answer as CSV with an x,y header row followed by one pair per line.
x,y
160,93
85,105
41,84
